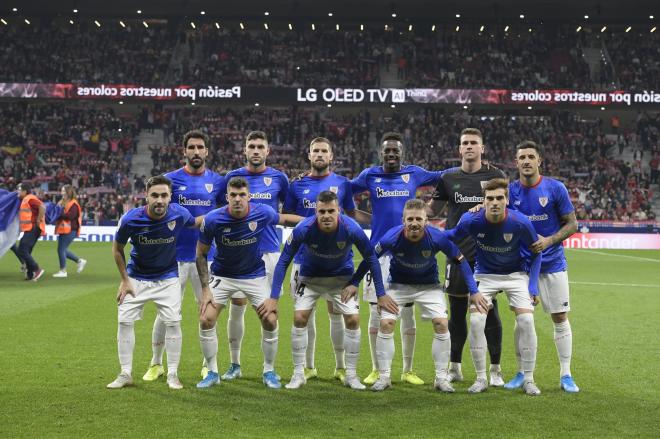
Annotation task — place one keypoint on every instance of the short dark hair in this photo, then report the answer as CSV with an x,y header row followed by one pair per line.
x,y
159,179
238,183
252,135
195,134
497,183
532,145
414,203
316,140
473,132
25,186
391,135
326,197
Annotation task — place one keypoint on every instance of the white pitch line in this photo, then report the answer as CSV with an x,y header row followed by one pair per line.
x,y
621,256
615,285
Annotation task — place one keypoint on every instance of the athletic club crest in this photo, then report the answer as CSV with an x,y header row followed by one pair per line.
x,y
543,201
171,225
426,253
252,225
405,178
268,181
334,189
341,245
508,237
209,187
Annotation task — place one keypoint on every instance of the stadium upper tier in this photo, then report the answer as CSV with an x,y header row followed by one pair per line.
x,y
463,57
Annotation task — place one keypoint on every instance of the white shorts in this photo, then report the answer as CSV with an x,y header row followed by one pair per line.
x,y
309,289
553,292
166,294
514,285
256,290
188,272
429,298
369,291
270,261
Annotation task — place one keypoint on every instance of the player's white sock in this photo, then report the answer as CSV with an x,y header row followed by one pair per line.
x,y
299,337
527,344
374,324
352,346
269,342
516,344
235,331
173,346
564,344
208,340
478,343
385,353
311,340
441,350
157,341
408,330
337,337
125,345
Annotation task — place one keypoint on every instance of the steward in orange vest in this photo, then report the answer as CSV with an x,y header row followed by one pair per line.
x,y
63,225
28,218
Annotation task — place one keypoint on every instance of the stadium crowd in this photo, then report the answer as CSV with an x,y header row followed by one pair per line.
x,y
550,56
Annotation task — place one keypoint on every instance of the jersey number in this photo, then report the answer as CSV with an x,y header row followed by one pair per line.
x,y
215,281
300,289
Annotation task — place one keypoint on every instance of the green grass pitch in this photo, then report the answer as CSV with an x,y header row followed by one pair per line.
x,y
58,351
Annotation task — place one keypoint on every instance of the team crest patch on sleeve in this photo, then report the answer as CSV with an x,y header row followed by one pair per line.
x,y
171,225
426,253
543,201
252,225
268,181
341,245
289,240
405,178
209,187
378,248
334,189
508,236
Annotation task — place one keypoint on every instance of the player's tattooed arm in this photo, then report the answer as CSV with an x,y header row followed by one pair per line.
x,y
568,227
201,263
287,219
360,216
435,207
125,286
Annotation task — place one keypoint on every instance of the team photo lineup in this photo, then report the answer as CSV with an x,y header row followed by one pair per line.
x,y
501,245
329,219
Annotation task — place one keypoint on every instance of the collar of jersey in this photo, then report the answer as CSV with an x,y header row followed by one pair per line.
x,y
534,185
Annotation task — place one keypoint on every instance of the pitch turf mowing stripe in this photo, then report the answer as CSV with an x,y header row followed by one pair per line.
x,y
615,284
611,253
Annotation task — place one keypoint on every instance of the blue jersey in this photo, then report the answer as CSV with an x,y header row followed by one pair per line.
x,y
389,191
544,204
268,187
327,254
500,245
154,252
302,195
199,194
238,253
414,262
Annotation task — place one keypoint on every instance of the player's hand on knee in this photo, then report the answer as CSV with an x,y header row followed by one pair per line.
x,y
268,306
480,302
348,292
125,288
388,304
207,300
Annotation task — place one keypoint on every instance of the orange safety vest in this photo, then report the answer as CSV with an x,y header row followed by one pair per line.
x,y
63,226
25,216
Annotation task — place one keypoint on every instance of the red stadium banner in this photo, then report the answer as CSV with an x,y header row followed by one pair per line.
x,y
289,95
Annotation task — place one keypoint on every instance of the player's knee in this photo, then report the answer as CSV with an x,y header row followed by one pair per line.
x,y
352,321
387,326
559,317
206,321
477,321
440,326
238,302
300,320
525,321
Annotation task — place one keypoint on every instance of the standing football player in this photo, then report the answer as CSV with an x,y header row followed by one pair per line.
x,y
390,186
